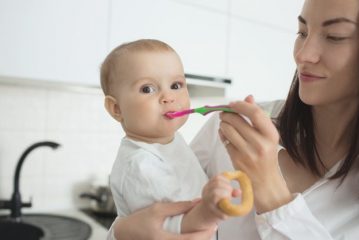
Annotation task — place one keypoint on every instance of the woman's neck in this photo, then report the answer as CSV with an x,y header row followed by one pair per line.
x,y
333,129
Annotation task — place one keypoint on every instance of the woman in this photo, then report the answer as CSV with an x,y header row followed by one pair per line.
x,y
309,189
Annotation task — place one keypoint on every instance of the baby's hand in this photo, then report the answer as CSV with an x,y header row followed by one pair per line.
x,y
216,189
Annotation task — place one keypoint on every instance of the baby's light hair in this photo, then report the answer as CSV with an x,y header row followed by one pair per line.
x,y
108,67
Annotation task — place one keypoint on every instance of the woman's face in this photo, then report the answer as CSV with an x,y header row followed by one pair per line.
x,y
327,52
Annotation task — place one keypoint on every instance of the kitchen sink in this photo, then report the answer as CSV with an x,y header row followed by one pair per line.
x,y
44,227
18,226
19,230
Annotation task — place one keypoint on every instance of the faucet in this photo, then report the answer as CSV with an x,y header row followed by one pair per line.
x,y
15,203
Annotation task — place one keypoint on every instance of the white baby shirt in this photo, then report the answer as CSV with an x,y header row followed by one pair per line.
x,y
146,173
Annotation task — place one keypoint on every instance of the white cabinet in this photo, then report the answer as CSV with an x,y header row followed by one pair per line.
x,y
280,14
198,35
249,41
260,61
53,40
261,40
212,5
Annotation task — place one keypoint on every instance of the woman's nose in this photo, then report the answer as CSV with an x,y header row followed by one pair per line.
x,y
307,51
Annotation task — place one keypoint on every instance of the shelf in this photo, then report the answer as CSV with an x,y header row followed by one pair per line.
x,y
198,86
207,86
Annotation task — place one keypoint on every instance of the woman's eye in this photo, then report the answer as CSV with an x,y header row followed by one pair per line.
x,y
336,39
147,89
176,85
302,34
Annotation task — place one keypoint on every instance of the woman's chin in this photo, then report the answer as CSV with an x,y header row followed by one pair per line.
x,y
310,99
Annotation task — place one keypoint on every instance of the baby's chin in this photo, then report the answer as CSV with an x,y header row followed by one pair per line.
x,y
151,139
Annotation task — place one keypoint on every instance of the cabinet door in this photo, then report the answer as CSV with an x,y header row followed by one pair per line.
x,y
53,40
212,5
260,61
261,42
197,34
281,14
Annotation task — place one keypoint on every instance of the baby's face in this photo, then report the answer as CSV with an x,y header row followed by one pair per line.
x,y
152,84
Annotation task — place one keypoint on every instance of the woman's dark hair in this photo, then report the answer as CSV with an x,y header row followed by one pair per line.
x,y
296,128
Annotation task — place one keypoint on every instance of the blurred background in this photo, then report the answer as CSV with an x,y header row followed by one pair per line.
x,y
50,53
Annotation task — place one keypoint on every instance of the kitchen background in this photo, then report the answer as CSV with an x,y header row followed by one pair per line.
x,y
50,53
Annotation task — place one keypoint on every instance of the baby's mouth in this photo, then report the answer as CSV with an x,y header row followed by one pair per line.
x,y
169,114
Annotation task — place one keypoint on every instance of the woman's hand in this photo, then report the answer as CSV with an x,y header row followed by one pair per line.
x,y
253,149
147,223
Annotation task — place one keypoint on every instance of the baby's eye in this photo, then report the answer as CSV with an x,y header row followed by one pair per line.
x,y
176,85
147,89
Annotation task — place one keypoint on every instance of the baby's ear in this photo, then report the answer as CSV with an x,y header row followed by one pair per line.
x,y
113,108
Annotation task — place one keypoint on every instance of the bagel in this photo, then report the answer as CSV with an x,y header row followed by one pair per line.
x,y
246,199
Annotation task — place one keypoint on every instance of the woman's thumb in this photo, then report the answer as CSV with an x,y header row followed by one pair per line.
x,y
249,99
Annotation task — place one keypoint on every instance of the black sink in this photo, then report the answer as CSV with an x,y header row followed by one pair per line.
x,y
44,227
19,230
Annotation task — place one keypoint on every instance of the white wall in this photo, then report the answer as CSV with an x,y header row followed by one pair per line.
x,y
76,120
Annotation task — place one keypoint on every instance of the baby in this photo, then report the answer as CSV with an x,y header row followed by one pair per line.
x,y
142,81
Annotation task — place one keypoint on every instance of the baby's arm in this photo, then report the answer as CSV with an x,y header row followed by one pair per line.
x,y
206,213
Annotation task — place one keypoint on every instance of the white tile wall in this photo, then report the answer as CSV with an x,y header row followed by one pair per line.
x,y
77,120
89,139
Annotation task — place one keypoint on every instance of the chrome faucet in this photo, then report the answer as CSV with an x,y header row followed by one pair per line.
x,y
15,203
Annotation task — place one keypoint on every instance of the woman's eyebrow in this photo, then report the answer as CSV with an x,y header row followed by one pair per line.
x,y
302,20
338,20
330,21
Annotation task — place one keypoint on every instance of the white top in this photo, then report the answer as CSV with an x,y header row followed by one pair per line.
x,y
146,173
325,211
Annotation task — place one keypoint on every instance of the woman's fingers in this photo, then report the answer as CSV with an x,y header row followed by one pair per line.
x,y
249,99
238,137
239,148
256,115
253,142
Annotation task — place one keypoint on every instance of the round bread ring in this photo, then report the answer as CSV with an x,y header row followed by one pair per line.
x,y
247,195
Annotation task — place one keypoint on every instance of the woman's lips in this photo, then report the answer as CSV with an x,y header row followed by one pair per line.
x,y
308,77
